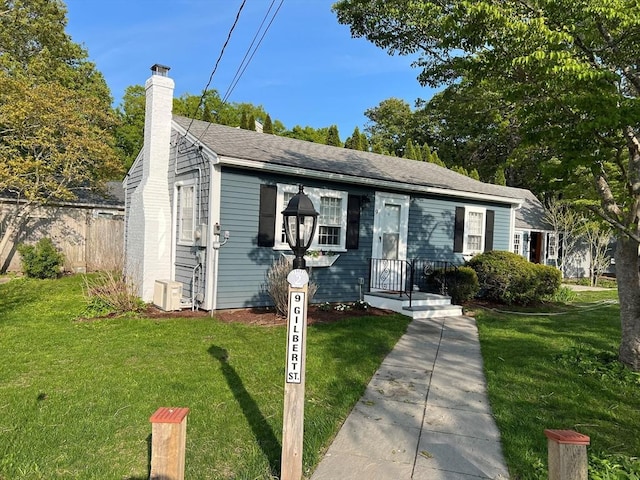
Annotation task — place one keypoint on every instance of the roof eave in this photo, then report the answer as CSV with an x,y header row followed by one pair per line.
x,y
342,178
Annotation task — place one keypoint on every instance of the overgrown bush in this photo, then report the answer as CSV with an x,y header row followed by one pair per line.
x,y
462,284
506,277
110,293
278,287
41,260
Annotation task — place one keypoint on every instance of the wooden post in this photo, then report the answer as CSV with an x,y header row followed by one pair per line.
x,y
293,419
168,441
567,455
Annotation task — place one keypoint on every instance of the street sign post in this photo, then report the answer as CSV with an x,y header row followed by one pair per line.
x,y
293,418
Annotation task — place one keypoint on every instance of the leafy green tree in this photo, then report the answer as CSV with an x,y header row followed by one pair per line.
x,y
53,143
130,131
474,174
56,122
499,178
268,125
389,125
460,169
333,137
411,152
570,72
251,123
244,121
308,134
357,140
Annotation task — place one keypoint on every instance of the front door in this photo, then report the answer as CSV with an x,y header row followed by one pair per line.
x,y
389,248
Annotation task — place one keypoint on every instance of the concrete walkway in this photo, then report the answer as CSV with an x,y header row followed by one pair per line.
x,y
424,415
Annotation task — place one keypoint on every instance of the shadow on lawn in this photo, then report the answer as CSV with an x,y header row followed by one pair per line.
x,y
263,432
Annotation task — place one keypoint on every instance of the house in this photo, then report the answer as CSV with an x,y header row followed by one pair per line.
x,y
204,203
89,230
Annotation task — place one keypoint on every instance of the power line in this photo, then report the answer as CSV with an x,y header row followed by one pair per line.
x,y
243,66
248,56
204,92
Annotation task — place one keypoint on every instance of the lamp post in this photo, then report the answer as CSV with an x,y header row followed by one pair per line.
x,y
300,221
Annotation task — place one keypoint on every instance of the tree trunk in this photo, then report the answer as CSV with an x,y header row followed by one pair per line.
x,y
628,277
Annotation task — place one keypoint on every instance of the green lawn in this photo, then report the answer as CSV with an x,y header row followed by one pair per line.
x,y
76,396
559,371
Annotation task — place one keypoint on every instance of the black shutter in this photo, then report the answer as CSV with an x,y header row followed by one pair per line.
x,y
267,220
458,233
488,231
353,222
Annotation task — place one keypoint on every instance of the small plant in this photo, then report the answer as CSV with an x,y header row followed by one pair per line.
x,y
342,307
325,307
41,260
278,286
361,305
110,294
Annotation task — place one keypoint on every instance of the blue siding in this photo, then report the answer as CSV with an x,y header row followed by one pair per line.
x,y
191,167
243,265
431,227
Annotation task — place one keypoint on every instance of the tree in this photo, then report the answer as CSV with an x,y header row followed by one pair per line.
x,y
130,130
411,152
56,121
598,237
570,70
244,121
251,123
357,141
333,137
568,228
53,144
499,178
389,125
268,125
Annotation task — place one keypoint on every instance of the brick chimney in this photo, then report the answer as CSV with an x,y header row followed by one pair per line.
x,y
148,246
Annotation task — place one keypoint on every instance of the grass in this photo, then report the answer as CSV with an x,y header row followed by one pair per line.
x,y
558,370
76,396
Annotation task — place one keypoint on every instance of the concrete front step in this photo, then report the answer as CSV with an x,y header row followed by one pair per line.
x,y
423,305
433,311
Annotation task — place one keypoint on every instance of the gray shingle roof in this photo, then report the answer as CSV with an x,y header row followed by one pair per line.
x,y
531,215
276,150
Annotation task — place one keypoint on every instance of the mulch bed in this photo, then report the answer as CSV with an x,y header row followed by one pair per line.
x,y
265,316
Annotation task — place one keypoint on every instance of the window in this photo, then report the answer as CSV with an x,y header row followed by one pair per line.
x,y
473,230
331,206
186,213
330,221
517,243
552,249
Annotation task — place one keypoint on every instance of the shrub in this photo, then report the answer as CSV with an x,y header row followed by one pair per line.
x,y
462,284
109,293
41,260
278,286
506,277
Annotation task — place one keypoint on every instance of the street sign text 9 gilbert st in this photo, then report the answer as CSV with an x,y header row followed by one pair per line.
x,y
295,340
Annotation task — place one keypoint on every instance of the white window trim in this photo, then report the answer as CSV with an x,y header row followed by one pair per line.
x,y
520,237
180,192
466,250
314,195
552,248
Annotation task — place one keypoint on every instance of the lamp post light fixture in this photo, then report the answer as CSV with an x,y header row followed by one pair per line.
x,y
300,220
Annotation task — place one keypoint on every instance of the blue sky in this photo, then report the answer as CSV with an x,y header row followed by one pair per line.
x,y
307,71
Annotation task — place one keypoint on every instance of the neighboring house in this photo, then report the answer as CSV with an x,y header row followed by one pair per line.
x,y
89,230
533,237
204,203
